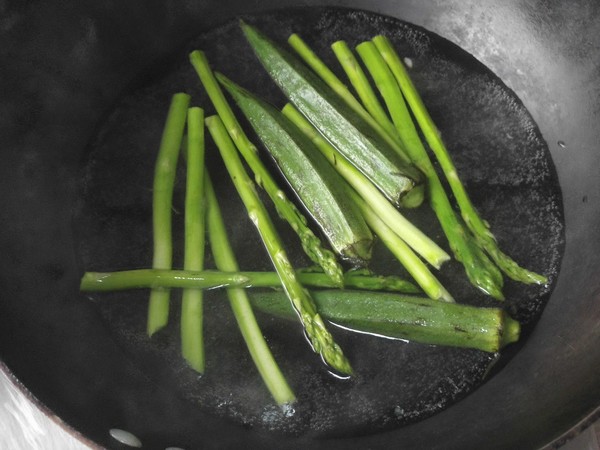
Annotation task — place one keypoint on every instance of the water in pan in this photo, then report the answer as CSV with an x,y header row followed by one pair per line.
x,y
500,156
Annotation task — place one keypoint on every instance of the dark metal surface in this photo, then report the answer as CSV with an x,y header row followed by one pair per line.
x,y
64,65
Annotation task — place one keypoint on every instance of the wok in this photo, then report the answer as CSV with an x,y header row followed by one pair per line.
x,y
66,65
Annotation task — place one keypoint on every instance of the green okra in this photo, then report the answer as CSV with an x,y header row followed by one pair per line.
x,y
341,125
311,244
316,183
405,317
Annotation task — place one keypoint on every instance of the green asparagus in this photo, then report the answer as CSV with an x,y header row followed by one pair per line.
x,y
164,179
382,221
192,341
238,299
363,88
334,83
342,126
285,208
480,270
318,186
211,279
414,237
316,331
475,223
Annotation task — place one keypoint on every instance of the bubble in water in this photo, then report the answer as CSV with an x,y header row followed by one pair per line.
x,y
288,409
398,411
125,437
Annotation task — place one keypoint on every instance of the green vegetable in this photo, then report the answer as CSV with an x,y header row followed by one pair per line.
x,y
342,126
480,270
162,197
362,86
238,299
411,262
310,243
192,342
475,223
387,213
316,331
318,186
210,279
405,317
334,83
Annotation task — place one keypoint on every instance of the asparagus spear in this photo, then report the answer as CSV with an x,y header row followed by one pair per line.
x,y
476,224
361,85
310,243
414,237
210,279
411,262
321,69
192,342
382,217
405,317
164,179
316,183
238,299
480,270
400,181
320,338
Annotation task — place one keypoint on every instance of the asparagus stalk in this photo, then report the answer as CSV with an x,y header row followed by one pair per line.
x,y
411,262
316,331
475,223
414,237
480,270
164,179
210,279
321,69
399,180
238,299
311,244
382,222
405,317
192,341
361,85
316,183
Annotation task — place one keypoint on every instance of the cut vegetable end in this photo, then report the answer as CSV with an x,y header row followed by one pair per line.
x,y
510,332
158,310
414,198
359,253
192,342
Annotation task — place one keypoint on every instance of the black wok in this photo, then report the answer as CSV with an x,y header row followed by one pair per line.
x,y
62,76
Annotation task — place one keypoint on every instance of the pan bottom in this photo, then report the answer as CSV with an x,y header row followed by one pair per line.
x,y
499,153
